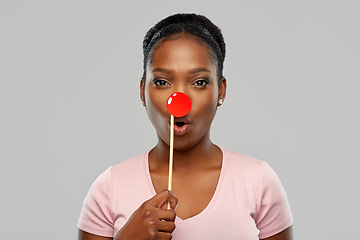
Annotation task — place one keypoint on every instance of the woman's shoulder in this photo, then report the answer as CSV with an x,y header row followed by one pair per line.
x,y
246,167
123,169
131,171
241,160
132,163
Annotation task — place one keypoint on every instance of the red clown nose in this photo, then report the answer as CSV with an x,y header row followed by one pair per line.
x,y
178,104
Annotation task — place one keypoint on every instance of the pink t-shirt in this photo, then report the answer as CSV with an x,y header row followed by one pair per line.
x,y
249,201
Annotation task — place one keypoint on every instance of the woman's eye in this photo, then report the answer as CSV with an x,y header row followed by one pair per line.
x,y
201,83
160,82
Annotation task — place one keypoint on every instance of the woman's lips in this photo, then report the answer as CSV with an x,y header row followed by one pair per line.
x,y
181,130
181,126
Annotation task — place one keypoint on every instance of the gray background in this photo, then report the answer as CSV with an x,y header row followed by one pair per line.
x,y
69,104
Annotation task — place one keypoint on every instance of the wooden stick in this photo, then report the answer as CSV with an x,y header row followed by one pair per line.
x,y
171,155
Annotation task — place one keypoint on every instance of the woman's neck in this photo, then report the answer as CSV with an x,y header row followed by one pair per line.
x,y
200,156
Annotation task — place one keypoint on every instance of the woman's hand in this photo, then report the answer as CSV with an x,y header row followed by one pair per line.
x,y
152,220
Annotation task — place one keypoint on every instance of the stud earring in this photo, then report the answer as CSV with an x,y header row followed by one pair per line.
x,y
142,103
221,101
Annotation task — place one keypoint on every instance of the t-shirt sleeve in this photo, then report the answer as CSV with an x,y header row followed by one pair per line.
x,y
96,215
273,210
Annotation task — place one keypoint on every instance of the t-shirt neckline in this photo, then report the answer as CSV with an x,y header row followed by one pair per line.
x,y
208,209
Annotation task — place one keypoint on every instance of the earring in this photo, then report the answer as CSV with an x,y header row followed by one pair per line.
x,y
221,101
142,103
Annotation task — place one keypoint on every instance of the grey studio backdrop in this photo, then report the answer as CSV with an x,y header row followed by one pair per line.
x,y
70,107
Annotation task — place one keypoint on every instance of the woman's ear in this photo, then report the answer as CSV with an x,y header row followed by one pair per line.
x,y
142,91
222,91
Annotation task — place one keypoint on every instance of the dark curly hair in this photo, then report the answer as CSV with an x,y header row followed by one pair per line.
x,y
190,23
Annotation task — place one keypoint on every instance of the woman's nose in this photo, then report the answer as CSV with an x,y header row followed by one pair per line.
x,y
181,86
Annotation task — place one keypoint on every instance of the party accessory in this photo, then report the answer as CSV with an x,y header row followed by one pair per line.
x,y
178,105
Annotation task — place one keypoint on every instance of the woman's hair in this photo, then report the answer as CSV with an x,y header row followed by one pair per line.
x,y
190,23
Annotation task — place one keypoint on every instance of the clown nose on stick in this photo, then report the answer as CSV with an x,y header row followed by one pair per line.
x,y
178,105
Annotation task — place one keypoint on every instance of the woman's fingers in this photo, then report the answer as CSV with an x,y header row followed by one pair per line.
x,y
151,220
163,236
165,226
162,198
161,214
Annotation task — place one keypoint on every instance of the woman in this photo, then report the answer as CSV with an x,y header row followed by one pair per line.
x,y
219,194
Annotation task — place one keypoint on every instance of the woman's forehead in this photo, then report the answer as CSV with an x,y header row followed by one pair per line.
x,y
177,36
182,53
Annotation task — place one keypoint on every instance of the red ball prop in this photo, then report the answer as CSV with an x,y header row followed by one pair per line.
x,y
178,104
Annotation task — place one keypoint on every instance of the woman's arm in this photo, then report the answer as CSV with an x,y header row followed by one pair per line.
x,y
152,220
88,236
284,235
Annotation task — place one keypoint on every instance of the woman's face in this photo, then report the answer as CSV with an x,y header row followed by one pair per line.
x,y
182,64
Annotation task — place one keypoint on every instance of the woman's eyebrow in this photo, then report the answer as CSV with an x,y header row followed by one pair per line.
x,y
197,70
161,70
191,71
